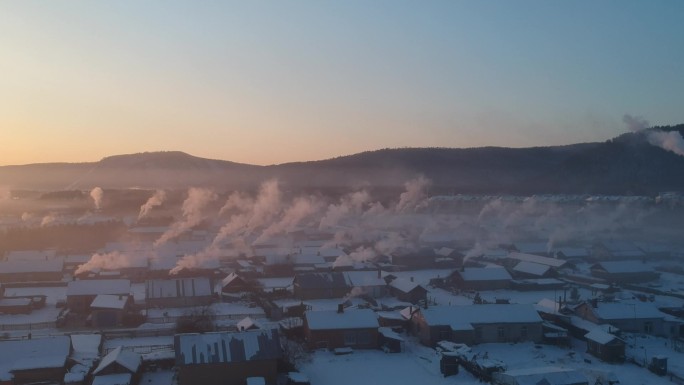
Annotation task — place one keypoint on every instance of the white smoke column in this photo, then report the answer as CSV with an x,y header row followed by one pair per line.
x,y
301,209
266,206
155,200
349,204
48,220
667,140
193,261
194,204
237,201
635,123
26,216
96,194
670,141
414,196
361,254
105,261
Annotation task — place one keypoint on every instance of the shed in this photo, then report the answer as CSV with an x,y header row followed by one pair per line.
x,y
548,375
481,278
605,346
341,328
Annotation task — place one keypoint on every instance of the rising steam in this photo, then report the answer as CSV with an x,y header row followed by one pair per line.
x,y
97,194
155,200
193,214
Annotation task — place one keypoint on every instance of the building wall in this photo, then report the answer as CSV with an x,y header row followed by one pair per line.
x,y
366,338
235,373
320,293
179,301
55,375
31,277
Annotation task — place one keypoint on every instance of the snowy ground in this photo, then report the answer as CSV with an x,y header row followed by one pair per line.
x,y
420,365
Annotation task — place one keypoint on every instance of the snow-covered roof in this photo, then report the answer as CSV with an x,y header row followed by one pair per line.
x,y
113,379
108,301
573,252
229,278
532,247
129,360
484,274
322,280
99,286
227,347
532,268
600,336
404,285
30,255
553,262
248,323
621,267
548,375
23,266
86,345
37,353
348,319
621,311
480,314
178,288
307,259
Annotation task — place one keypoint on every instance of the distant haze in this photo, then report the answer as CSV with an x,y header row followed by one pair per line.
x,y
272,82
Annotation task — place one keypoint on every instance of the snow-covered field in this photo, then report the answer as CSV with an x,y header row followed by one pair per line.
x,y
420,365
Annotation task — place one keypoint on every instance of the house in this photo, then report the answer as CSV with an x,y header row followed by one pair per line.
x,y
31,271
414,259
16,305
370,283
475,324
81,293
572,253
635,317
555,263
406,289
624,272
321,285
35,360
178,292
113,379
525,269
605,346
535,248
248,323
342,328
617,250
108,310
119,361
85,353
548,375
233,283
227,358
480,278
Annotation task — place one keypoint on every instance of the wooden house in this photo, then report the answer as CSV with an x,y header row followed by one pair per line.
x,y
621,272
406,289
475,324
480,278
342,328
81,293
605,346
38,360
108,310
227,358
321,285
178,292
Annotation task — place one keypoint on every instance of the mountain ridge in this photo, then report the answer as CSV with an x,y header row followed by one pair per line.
x,y
626,164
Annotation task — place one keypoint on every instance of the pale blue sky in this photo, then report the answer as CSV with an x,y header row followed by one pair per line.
x,y
275,81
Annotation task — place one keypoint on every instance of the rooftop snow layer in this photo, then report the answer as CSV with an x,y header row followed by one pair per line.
x,y
349,319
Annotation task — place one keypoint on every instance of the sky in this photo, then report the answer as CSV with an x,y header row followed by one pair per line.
x,y
267,82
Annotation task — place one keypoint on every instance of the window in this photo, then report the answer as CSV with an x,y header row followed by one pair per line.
x,y
501,333
648,327
364,337
350,338
523,332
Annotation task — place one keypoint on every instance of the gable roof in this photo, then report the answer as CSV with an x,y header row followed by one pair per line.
x,y
622,267
620,311
37,353
365,278
542,375
108,301
531,268
322,280
129,360
599,336
348,319
405,285
256,345
484,274
21,266
553,262
480,314
99,286
178,287
230,278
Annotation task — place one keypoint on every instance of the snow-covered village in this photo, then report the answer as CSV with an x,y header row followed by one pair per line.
x,y
272,286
